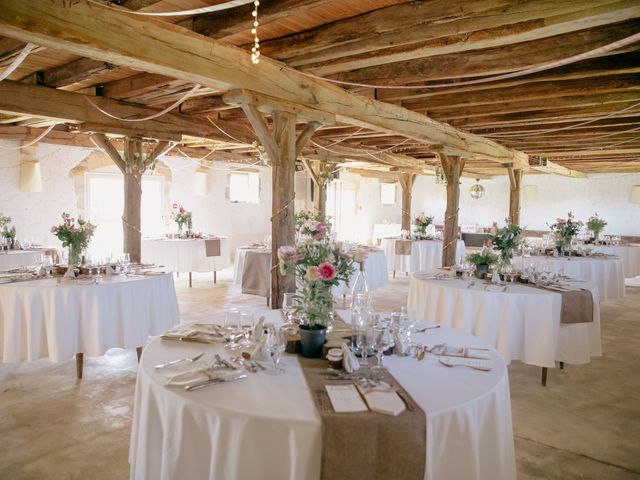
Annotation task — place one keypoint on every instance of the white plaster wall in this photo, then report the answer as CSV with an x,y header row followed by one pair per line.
x,y
34,214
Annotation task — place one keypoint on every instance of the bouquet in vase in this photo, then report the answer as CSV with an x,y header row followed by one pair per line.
x,y
313,225
505,240
564,229
422,222
181,217
596,225
74,235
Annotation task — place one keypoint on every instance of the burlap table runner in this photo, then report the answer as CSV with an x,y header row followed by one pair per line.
x,y
212,247
256,274
367,445
403,247
577,305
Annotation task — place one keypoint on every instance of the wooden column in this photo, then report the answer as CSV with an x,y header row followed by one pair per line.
x,y
282,146
515,180
452,166
133,163
406,182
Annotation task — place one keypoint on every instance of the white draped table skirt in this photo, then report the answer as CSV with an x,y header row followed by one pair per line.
x,y
267,427
522,323
425,255
185,255
629,254
606,273
42,318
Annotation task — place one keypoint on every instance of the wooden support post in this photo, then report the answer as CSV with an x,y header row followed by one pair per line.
x,y
132,164
79,365
515,180
406,182
452,167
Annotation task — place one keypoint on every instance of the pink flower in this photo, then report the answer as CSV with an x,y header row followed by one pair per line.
x,y
489,243
312,273
286,252
326,271
360,255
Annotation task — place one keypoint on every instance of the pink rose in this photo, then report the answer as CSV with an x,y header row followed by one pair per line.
x,y
360,255
326,271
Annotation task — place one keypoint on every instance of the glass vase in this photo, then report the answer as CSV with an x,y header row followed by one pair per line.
x,y
74,256
317,303
360,286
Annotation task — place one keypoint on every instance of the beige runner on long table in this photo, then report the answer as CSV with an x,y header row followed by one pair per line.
x,y
367,445
403,247
577,305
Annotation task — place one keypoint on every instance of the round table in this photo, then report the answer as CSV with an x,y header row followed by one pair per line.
x,y
11,259
186,255
375,270
55,318
425,255
606,273
629,254
267,426
522,323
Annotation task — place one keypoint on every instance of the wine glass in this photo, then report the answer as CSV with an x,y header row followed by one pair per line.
x,y
38,261
362,342
380,343
47,263
287,307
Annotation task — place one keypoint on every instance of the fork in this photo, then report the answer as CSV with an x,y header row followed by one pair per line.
x,y
180,360
471,284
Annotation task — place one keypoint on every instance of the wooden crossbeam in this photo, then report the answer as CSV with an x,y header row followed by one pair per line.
x,y
162,48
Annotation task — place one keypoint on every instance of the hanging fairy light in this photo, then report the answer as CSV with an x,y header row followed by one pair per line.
x,y
255,50
476,191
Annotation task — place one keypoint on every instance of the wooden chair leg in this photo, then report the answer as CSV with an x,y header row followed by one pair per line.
x,y
394,274
544,376
79,365
139,353
215,279
190,282
561,365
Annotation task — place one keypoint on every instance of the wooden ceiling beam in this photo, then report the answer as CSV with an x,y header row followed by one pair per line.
x,y
62,106
104,34
490,61
509,24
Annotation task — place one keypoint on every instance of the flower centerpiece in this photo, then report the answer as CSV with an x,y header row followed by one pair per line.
x,y
482,260
596,224
312,225
422,222
181,217
564,230
505,240
318,266
74,235
8,233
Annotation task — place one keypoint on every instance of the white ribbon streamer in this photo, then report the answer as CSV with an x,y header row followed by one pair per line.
x,y
40,137
150,117
17,61
194,11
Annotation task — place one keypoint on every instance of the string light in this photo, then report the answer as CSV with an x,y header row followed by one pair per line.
x,y
255,50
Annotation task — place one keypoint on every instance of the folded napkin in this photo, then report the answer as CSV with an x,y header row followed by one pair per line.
x,y
258,331
349,360
382,399
467,352
402,345
199,333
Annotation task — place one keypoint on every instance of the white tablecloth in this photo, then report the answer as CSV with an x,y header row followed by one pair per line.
x,y
629,254
383,230
185,255
267,427
42,318
375,270
606,273
425,255
20,258
522,323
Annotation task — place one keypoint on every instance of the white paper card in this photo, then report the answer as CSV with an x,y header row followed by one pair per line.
x,y
388,403
345,398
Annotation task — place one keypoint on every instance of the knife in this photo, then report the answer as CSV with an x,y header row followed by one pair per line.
x,y
213,381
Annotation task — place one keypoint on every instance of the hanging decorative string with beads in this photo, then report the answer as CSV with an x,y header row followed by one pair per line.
x,y
255,50
284,208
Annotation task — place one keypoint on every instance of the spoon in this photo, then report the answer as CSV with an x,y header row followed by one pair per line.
x,y
180,360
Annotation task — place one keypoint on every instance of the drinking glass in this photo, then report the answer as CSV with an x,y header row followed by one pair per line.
x,y
381,342
276,343
362,343
47,263
38,261
232,318
287,306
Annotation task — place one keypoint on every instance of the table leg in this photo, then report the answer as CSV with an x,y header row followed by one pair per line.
x,y
544,376
214,276
79,365
190,282
139,353
561,365
394,274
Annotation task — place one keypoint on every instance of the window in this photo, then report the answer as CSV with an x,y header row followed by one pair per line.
x,y
388,193
244,187
104,206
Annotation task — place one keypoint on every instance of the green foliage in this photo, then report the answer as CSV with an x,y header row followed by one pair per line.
x,y
485,257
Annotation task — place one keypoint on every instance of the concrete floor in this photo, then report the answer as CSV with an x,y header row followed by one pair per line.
x,y
584,425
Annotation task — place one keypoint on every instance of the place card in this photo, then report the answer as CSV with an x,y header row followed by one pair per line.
x,y
345,399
